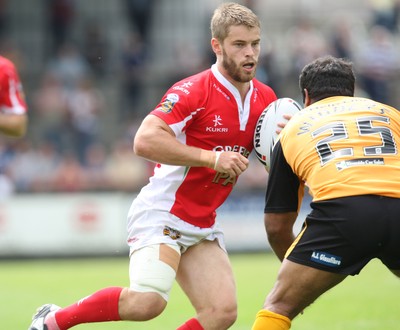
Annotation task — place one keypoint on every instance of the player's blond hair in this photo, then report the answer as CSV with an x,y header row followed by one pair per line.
x,y
231,14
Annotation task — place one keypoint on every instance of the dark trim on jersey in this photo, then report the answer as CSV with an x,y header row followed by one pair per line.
x,y
282,193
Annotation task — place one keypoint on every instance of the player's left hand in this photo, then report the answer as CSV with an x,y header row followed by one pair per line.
x,y
281,125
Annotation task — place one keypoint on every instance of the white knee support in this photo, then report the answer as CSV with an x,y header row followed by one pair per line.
x,y
148,273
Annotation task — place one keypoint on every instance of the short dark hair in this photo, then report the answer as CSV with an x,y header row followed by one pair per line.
x,y
327,76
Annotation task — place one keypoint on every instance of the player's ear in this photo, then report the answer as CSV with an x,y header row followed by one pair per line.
x,y
306,98
216,46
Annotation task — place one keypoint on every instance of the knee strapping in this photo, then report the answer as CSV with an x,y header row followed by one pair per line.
x,y
148,273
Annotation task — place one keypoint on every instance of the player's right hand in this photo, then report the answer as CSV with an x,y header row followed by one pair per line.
x,y
231,163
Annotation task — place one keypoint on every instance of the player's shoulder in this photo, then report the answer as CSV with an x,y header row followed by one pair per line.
x,y
7,69
6,63
191,85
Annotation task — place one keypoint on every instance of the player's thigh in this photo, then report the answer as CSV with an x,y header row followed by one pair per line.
x,y
297,286
205,275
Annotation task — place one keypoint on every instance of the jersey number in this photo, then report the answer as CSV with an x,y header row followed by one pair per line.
x,y
365,126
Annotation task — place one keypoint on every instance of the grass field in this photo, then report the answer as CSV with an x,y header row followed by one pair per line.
x,y
368,301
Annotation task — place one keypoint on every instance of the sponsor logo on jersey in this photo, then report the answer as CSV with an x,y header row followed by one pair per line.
x,y
221,91
173,233
326,259
224,178
255,94
217,121
184,87
169,102
216,128
359,162
235,148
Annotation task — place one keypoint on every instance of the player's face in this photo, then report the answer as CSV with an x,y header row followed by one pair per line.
x,y
240,52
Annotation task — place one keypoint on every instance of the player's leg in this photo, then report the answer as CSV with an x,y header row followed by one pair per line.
x,y
206,276
297,286
391,257
99,307
152,273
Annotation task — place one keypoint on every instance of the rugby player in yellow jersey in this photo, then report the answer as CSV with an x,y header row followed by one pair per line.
x,y
349,157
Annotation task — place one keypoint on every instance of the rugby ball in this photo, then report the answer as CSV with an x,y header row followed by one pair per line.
x,y
265,134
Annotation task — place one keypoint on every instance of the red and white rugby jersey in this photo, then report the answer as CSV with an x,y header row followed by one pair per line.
x,y
12,100
205,111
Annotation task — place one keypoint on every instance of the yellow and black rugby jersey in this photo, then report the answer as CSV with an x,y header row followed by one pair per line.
x,y
344,146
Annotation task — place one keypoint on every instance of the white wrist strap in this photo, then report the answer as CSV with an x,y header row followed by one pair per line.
x,y
217,154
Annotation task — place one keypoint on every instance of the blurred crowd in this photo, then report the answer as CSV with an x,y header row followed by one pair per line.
x,y
66,149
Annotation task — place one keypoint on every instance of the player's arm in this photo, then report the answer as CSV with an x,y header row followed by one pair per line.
x,y
282,201
13,125
156,141
279,228
13,115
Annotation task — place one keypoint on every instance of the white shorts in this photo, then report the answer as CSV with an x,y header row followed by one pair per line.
x,y
147,226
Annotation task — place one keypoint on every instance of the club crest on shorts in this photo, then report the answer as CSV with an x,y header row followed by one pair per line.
x,y
173,233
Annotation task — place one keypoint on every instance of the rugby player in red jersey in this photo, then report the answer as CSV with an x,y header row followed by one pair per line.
x,y
199,135
13,109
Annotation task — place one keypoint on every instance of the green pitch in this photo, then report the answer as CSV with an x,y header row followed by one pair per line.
x,y
368,301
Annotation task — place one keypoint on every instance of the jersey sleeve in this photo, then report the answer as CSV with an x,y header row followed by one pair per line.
x,y
284,189
180,103
12,99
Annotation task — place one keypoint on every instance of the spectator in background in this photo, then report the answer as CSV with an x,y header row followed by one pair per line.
x,y
45,165
386,14
7,155
133,67
50,110
7,185
95,48
61,14
23,168
85,103
69,65
140,14
124,171
268,71
341,39
305,42
377,64
96,176
3,18
69,175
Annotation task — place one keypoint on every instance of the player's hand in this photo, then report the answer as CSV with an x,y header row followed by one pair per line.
x,y
281,125
231,163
